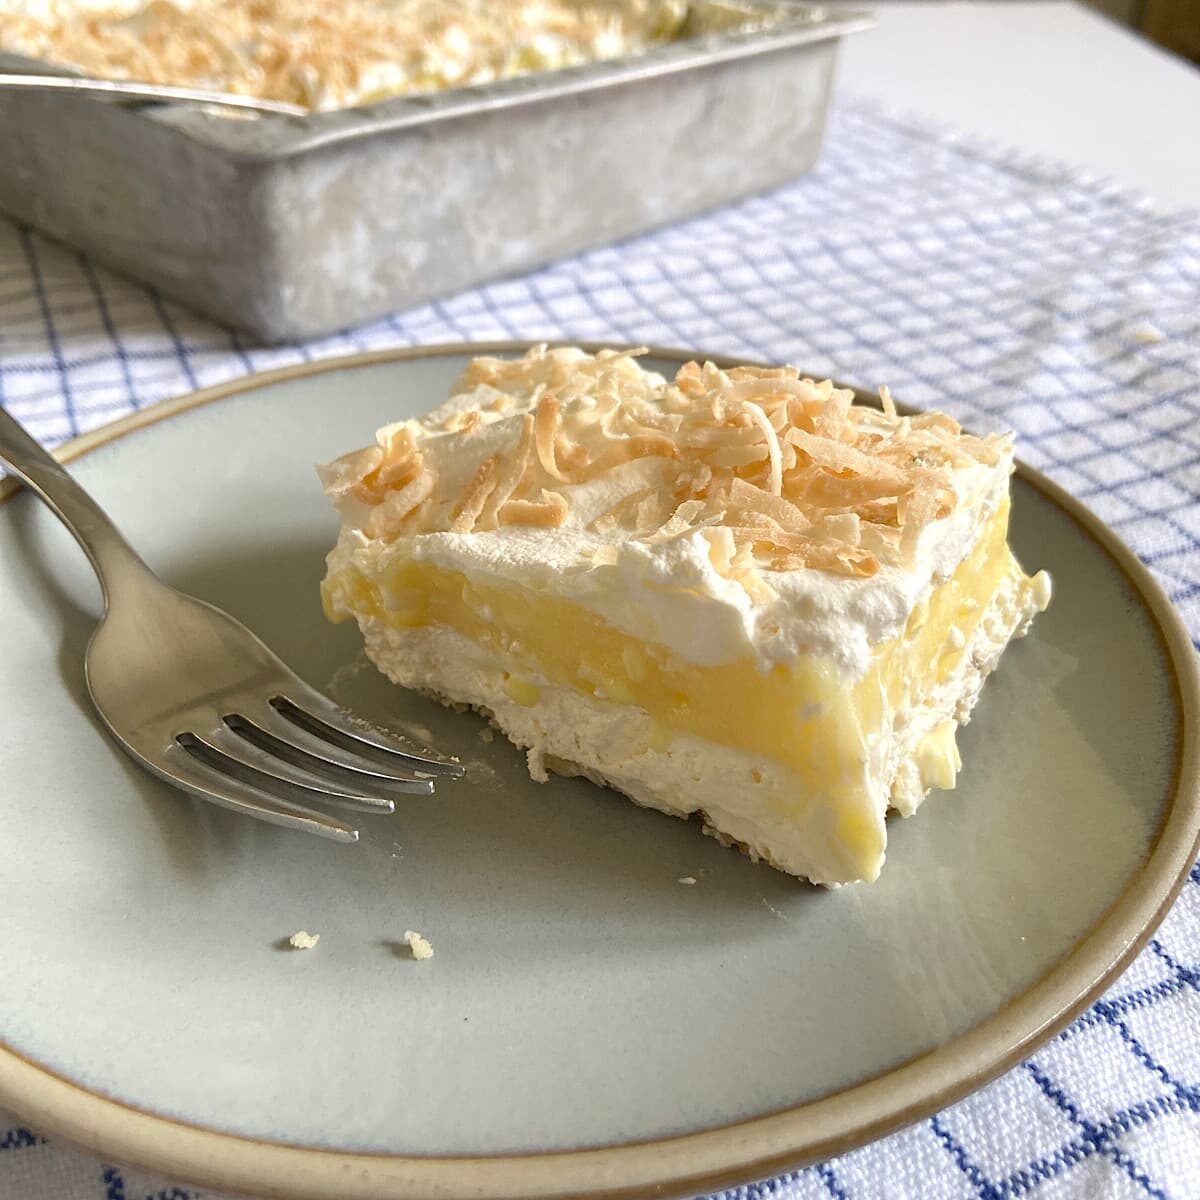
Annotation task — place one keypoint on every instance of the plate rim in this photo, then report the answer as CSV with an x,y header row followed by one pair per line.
x,y
679,1164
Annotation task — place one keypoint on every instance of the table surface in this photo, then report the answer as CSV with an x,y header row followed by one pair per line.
x,y
1056,79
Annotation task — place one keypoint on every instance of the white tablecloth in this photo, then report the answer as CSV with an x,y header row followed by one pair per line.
x,y
1014,292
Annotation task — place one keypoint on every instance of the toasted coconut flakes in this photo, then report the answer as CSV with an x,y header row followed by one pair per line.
x,y
757,588
511,478
681,521
822,490
779,472
627,504
689,380
761,531
604,556
618,450
844,561
837,456
733,429
398,439
743,558
648,445
464,421
330,56
645,415
478,491
649,511
936,420
397,505
344,476
737,456
694,479
756,500
609,354
720,548
988,450
545,430
737,374
419,519
920,509
569,454
392,477
673,400
843,527
775,479
550,511
834,408
866,565
885,398
883,511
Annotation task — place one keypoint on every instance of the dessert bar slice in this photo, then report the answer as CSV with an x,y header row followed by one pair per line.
x,y
735,593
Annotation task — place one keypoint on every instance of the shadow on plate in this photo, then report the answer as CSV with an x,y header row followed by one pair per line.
x,y
190,835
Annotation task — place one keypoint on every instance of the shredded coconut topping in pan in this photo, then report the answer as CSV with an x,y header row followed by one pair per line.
x,y
331,53
778,472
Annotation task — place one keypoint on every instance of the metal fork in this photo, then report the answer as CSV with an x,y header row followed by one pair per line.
x,y
197,699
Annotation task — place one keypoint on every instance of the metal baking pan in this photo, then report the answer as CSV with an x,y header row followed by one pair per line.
x,y
296,227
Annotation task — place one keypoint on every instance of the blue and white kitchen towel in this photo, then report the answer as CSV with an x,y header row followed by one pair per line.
x,y
1013,292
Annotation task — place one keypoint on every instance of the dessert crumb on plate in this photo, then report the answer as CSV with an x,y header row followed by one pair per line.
x,y
419,946
303,940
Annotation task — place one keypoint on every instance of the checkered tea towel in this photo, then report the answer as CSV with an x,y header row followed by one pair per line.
x,y
1014,292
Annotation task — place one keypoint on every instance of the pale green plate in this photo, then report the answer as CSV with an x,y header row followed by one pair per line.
x,y
588,1025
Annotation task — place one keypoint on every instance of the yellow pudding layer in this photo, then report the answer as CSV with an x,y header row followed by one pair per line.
x,y
802,714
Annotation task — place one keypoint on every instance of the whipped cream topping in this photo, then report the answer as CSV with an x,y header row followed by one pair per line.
x,y
726,515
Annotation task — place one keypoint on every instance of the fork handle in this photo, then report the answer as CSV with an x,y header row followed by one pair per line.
x,y
110,554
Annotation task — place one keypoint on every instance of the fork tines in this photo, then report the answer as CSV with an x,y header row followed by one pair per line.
x,y
300,750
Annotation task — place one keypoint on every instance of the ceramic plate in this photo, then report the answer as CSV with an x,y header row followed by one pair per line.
x,y
587,1026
